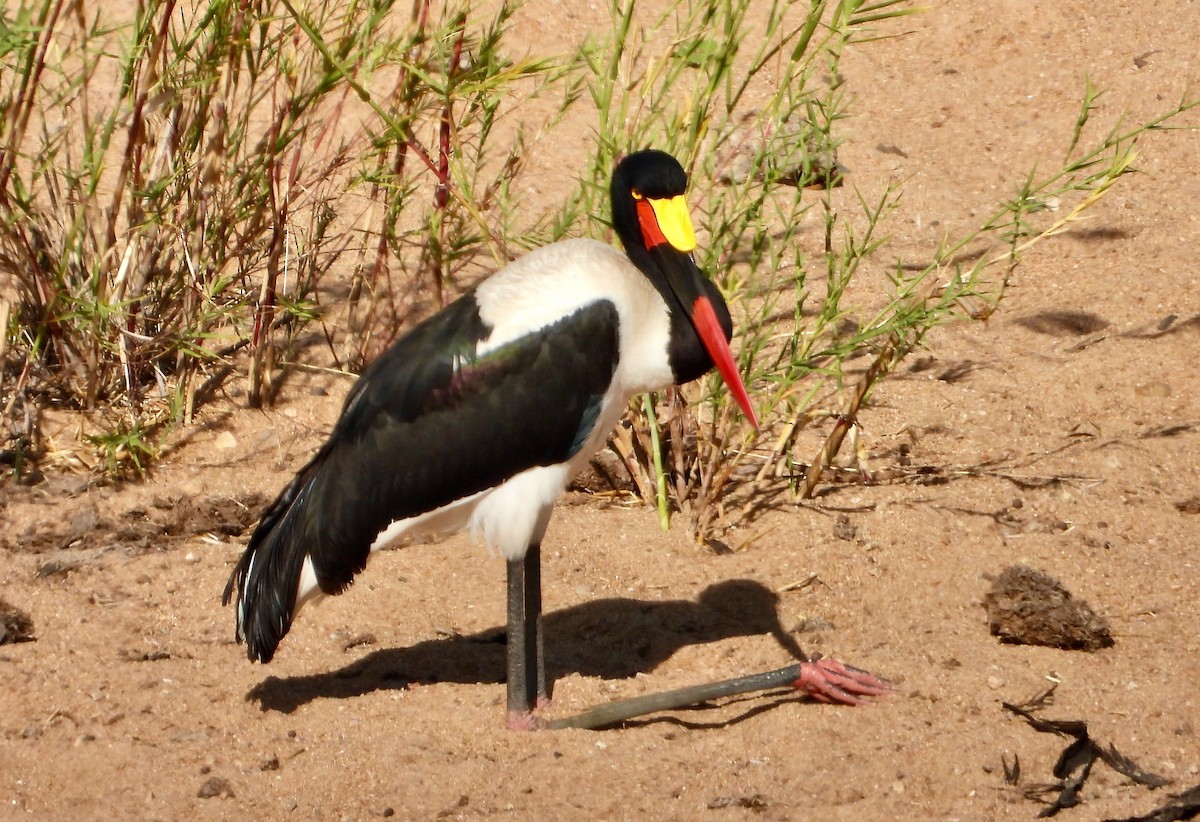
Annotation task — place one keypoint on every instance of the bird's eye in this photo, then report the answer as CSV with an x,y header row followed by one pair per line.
x,y
637,195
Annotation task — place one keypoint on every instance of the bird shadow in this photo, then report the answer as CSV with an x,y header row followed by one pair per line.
x,y
609,638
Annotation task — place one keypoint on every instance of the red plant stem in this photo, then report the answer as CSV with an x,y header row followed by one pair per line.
x,y
18,115
441,191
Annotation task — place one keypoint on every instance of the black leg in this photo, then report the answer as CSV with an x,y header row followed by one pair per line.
x,y
526,671
533,612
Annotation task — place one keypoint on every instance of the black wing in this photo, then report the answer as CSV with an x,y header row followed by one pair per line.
x,y
426,424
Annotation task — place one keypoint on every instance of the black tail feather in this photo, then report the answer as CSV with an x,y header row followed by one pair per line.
x,y
264,582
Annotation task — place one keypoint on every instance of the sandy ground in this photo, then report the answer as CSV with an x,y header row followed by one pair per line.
x,y
1064,433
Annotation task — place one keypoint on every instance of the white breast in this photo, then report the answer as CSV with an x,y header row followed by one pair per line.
x,y
554,281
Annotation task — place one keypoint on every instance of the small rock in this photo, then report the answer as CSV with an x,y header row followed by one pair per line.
x,y
844,528
225,441
56,568
755,802
808,625
1157,388
15,624
1188,506
215,786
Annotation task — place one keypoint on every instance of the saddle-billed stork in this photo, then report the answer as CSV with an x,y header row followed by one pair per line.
x,y
480,416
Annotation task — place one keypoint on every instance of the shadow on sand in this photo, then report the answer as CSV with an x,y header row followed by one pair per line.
x,y
609,638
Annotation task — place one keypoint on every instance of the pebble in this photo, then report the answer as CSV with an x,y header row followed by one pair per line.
x,y
215,786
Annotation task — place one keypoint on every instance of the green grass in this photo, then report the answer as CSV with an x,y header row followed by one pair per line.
x,y
192,194
175,187
797,330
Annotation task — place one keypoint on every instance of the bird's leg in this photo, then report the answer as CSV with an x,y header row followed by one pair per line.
x,y
526,668
533,605
825,680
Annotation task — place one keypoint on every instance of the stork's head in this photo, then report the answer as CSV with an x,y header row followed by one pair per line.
x,y
650,215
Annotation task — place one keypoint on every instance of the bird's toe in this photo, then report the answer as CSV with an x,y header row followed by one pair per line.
x,y
828,680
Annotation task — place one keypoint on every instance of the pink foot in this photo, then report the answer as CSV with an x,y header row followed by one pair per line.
x,y
827,680
523,721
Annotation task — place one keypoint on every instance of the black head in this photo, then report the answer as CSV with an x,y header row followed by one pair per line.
x,y
649,173
651,217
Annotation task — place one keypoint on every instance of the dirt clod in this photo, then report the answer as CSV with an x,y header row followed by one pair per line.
x,y
844,528
756,802
215,786
1027,607
15,624
1189,506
